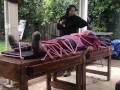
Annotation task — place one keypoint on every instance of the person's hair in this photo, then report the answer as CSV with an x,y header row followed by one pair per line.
x,y
68,9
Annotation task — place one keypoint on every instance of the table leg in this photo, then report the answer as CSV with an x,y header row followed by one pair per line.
x,y
48,81
54,76
23,86
83,76
78,77
109,68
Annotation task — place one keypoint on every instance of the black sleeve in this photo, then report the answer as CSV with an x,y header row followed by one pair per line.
x,y
80,23
59,26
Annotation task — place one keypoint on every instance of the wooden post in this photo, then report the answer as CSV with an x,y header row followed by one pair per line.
x,y
48,81
54,76
78,77
84,73
109,68
23,86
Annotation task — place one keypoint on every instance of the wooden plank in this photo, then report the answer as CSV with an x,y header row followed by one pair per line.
x,y
17,61
103,33
10,71
62,85
97,72
50,71
67,83
78,77
99,54
56,64
83,67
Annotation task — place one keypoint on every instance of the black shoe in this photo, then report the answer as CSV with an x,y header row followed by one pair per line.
x,y
12,41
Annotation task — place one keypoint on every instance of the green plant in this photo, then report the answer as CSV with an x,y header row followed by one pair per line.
x,y
54,9
2,46
101,12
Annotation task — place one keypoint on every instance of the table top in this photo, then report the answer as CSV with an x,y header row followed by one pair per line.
x,y
36,60
104,33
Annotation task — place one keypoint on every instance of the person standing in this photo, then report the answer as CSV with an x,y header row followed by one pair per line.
x,y
70,23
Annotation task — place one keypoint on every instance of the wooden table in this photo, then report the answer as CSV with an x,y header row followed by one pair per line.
x,y
104,34
22,71
97,55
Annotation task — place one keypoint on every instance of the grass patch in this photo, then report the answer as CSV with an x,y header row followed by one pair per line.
x,y
2,46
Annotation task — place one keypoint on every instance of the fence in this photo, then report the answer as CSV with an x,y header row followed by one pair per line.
x,y
49,32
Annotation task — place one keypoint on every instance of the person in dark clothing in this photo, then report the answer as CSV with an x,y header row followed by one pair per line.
x,y
70,23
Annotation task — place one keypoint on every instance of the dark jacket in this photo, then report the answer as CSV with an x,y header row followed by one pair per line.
x,y
71,25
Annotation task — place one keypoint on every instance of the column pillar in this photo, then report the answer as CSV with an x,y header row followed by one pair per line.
x,y
11,20
83,11
11,24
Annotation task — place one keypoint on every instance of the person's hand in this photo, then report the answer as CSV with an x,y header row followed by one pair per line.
x,y
90,49
62,22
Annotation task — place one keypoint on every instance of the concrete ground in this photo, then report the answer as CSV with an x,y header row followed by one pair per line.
x,y
94,82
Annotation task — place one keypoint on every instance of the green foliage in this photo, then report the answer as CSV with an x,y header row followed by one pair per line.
x,y
96,29
43,12
54,9
28,10
101,12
